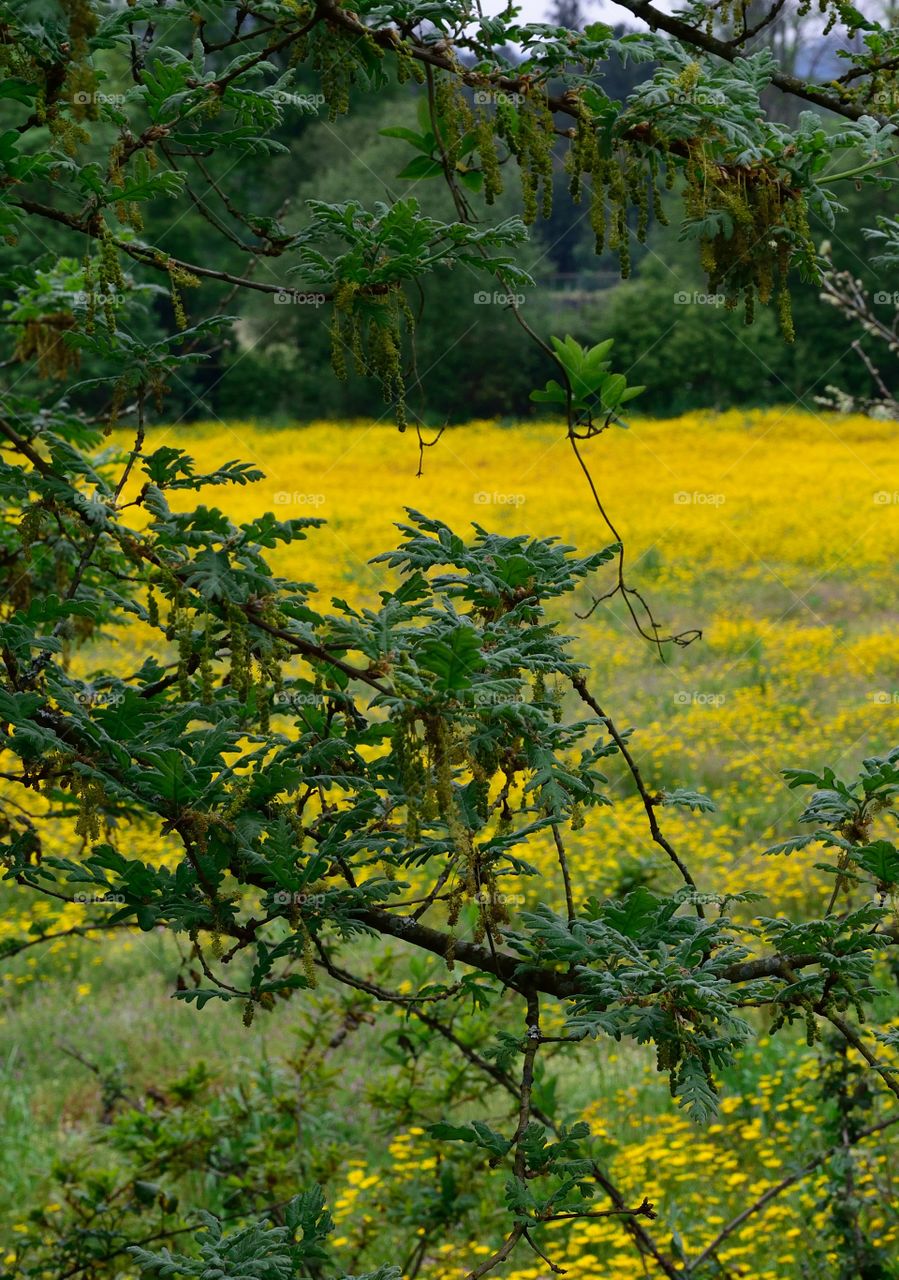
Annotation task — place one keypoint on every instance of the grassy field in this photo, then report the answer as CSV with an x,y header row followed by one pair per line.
x,y
773,533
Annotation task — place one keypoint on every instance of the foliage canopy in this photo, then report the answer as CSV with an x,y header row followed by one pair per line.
x,y
336,778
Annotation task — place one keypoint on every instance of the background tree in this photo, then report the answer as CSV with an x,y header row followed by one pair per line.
x,y
345,786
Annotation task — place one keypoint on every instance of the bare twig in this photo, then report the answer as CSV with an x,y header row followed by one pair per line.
x,y
778,1189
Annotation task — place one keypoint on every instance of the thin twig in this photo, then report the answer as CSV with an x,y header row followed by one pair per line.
x,y
648,804
777,1190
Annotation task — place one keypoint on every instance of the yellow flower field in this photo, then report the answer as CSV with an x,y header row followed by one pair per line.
x,y
776,497
774,533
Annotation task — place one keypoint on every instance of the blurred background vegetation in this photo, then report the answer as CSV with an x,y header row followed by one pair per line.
x,y
470,355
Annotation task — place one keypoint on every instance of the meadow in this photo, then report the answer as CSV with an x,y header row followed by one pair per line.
x,y
775,534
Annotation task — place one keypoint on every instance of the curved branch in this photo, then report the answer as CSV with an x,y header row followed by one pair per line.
x,y
648,802
729,51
